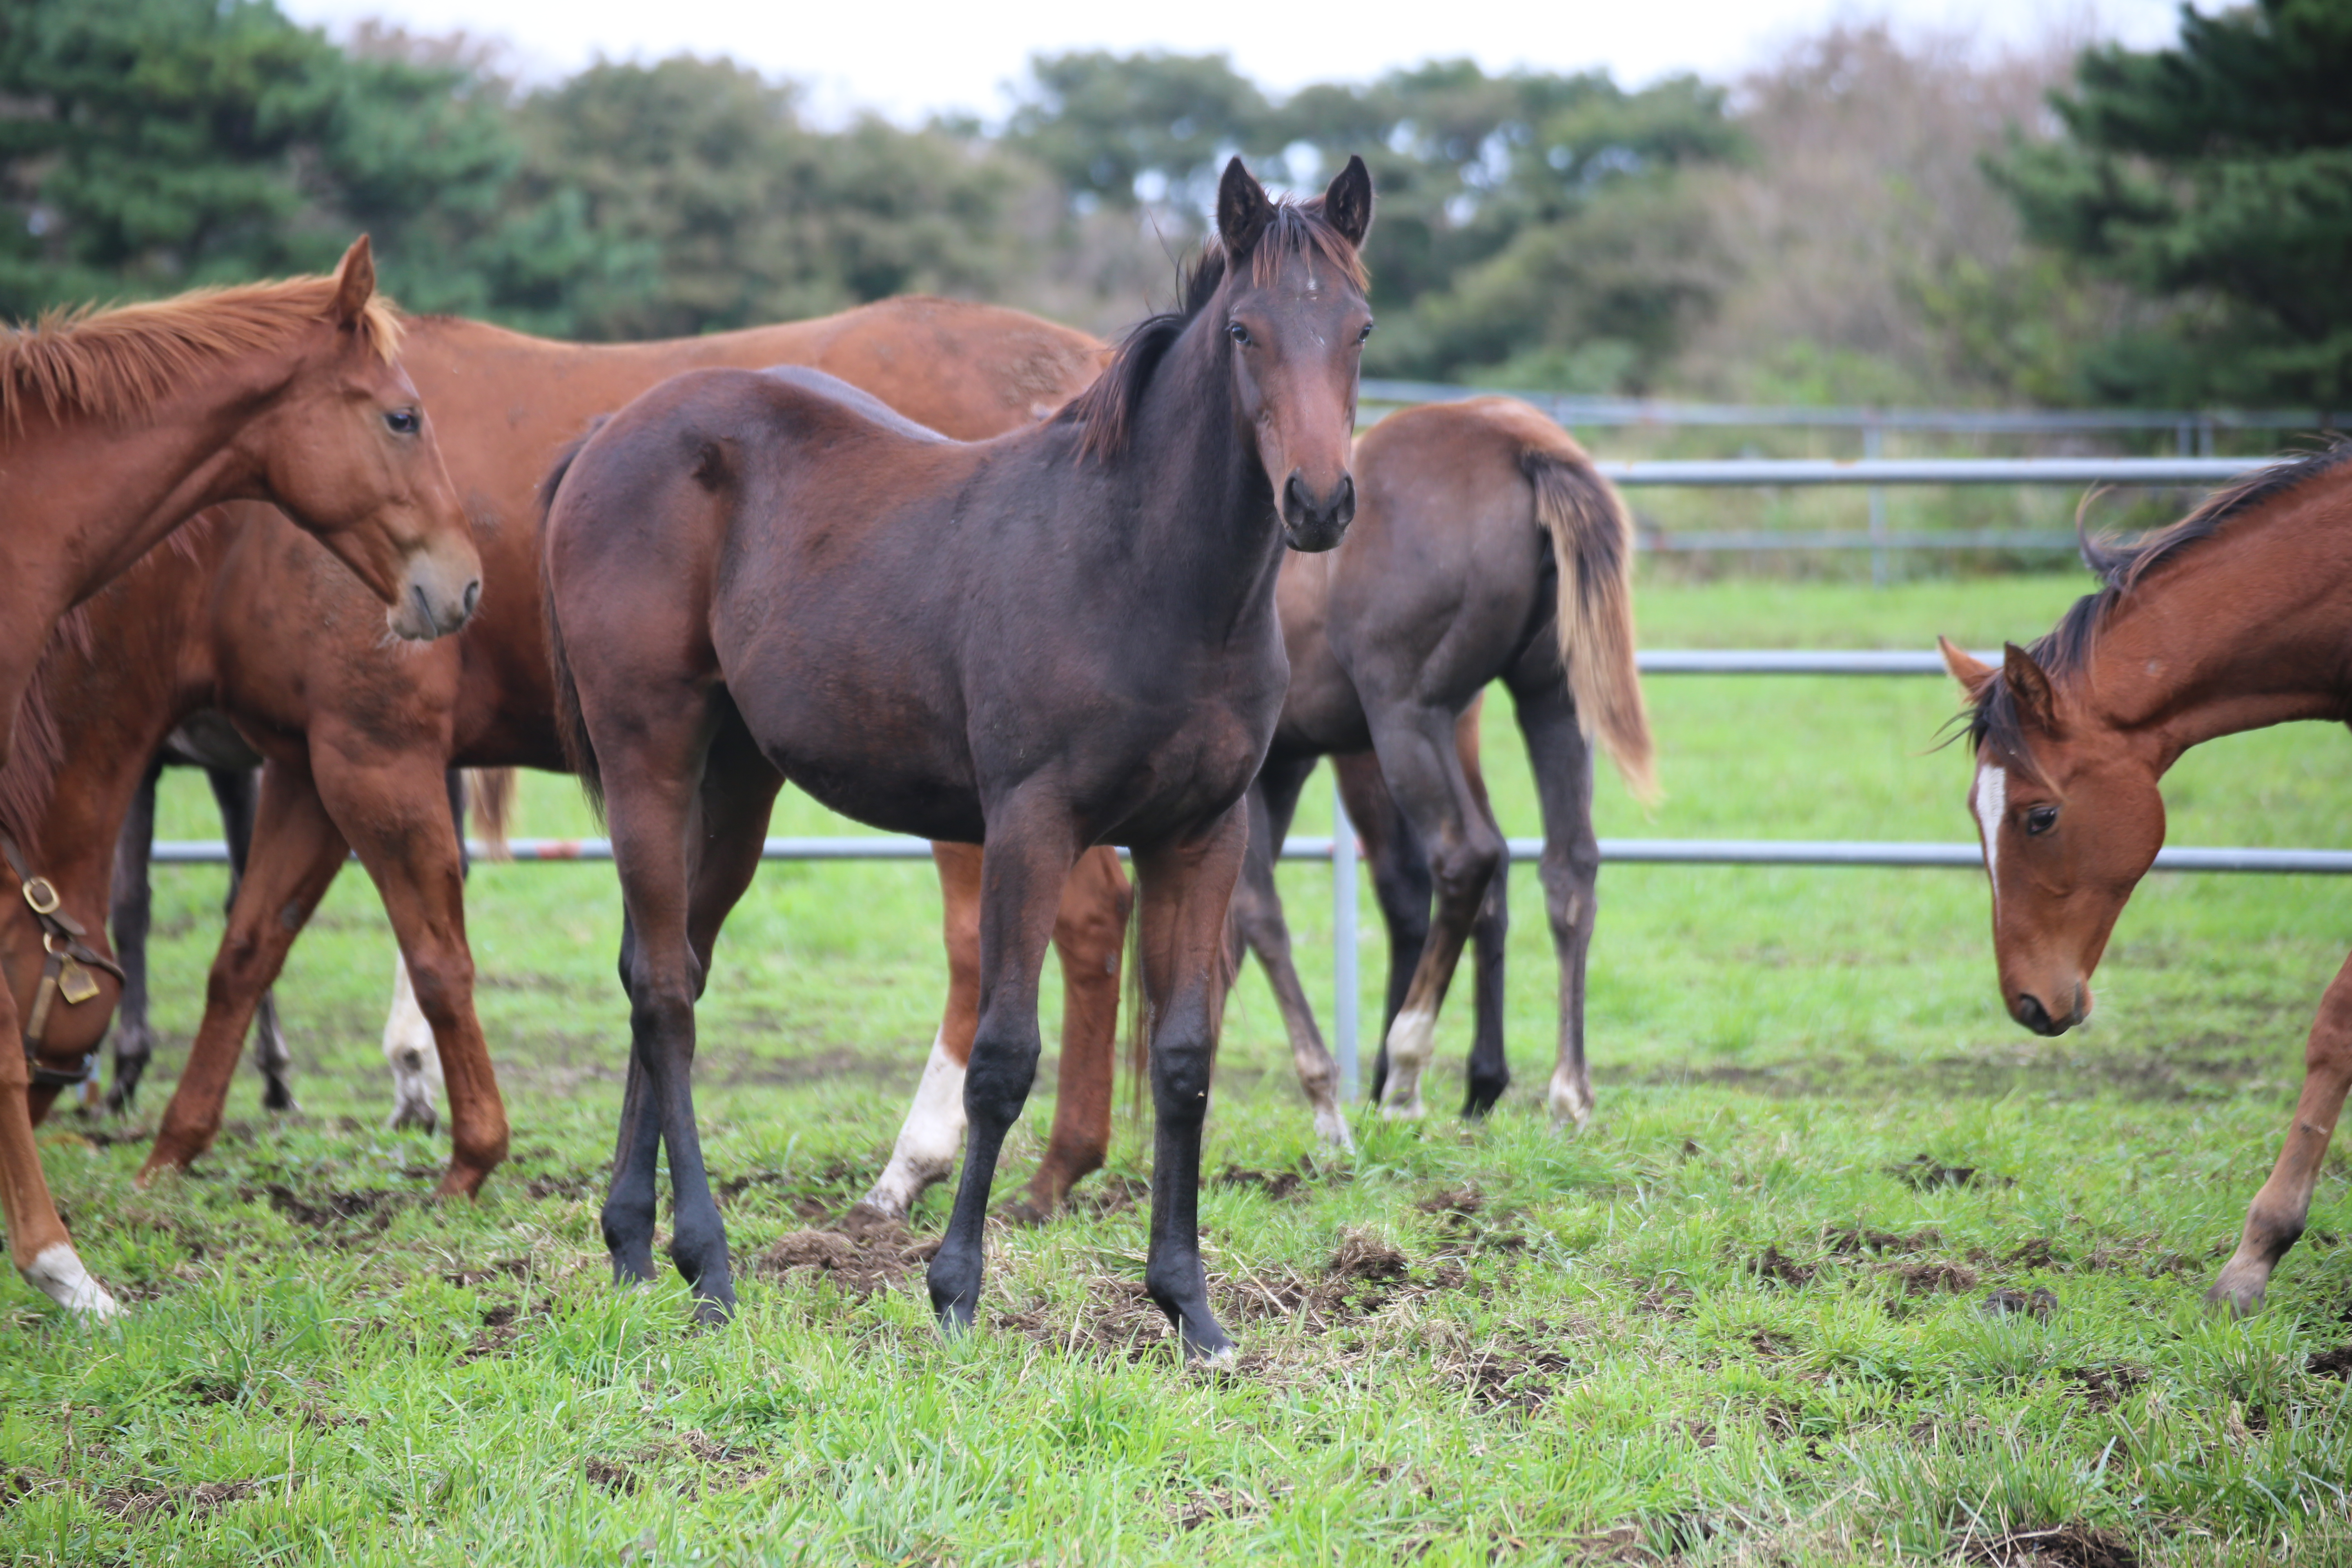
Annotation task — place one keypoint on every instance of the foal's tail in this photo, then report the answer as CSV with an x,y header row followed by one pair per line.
x,y
489,807
571,726
1592,545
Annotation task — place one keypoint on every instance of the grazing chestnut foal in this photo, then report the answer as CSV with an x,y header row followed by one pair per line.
x,y
1061,637
115,428
2233,618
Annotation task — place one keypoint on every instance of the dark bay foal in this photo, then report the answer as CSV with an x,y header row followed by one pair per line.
x,y
1062,637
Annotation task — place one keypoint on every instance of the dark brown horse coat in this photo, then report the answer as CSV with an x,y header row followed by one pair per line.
x,y
1061,637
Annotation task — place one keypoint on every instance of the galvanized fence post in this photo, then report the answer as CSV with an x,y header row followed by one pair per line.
x,y
1871,444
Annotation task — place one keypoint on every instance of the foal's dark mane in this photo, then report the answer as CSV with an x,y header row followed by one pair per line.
x,y
1105,411
2066,647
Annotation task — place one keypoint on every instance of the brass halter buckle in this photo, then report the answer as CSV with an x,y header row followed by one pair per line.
x,y
42,896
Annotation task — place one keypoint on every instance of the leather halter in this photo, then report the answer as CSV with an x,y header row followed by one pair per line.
x,y
62,972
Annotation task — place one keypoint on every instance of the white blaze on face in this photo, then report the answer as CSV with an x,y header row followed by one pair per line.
x,y
58,1274
928,1142
1992,801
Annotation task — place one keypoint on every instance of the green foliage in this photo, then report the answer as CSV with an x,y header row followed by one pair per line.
x,y
2217,174
1529,226
686,197
149,146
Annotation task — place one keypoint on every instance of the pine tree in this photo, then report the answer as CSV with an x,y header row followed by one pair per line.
x,y
2218,176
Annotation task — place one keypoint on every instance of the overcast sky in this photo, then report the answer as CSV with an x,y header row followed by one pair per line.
x,y
910,57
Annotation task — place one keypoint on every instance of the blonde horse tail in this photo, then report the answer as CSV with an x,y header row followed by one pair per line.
x,y
489,806
1592,545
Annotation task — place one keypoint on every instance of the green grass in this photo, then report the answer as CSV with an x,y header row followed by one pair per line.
x,y
1715,1327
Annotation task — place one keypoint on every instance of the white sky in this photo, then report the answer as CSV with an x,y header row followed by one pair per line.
x,y
908,58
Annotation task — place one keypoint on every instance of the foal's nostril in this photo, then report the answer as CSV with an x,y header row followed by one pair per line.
x,y
2030,1013
473,597
424,606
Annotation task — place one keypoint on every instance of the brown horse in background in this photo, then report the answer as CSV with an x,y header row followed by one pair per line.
x,y
2234,618
1062,637
1485,548
357,743
114,429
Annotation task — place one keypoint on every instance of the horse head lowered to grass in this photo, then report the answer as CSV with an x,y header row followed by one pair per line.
x,y
1062,637
2235,617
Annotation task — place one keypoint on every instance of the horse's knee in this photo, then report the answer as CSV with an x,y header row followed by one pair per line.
x,y
1002,1069
1570,878
1463,871
443,981
1180,1064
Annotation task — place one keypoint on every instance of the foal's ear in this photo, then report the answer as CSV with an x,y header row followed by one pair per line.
x,y
355,283
1348,203
2037,703
1970,671
1244,209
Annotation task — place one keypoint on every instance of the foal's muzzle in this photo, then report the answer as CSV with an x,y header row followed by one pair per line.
x,y
1310,522
437,596
2030,1010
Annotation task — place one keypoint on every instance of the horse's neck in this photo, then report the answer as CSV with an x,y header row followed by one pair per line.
x,y
1199,493
111,492
2249,629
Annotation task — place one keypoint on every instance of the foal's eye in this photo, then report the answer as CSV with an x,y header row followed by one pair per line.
x,y
1238,332
1365,333
401,421
2040,820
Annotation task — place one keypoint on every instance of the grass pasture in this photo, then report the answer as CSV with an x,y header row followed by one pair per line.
x,y
1743,1317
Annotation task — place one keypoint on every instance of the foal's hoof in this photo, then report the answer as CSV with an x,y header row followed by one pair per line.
x,y
1331,1128
2239,1290
1206,1345
1404,1110
955,1298
711,1310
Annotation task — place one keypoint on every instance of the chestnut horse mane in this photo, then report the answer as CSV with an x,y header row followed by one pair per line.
x,y
1105,411
2066,647
37,750
114,365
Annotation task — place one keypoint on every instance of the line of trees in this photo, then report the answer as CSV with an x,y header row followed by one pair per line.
x,y
1864,217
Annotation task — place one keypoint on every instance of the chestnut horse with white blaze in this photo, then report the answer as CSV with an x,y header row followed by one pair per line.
x,y
1062,637
116,427
2234,618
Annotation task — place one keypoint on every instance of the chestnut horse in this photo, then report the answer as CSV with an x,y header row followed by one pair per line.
x,y
2233,618
1061,637
1485,548
115,428
357,743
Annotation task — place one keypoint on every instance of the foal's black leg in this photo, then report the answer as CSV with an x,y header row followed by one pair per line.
x,y
1400,883
628,1214
1490,1066
237,791
1424,769
1258,923
1186,888
132,912
1562,761
1031,849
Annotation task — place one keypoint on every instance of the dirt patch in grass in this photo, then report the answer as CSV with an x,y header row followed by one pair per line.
x,y
488,1273
1510,1370
1780,1269
1932,1277
2038,1304
612,1475
367,1212
1857,1241
1924,1171
2071,1545
141,1502
1214,1505
2336,1363
2103,1388
867,1254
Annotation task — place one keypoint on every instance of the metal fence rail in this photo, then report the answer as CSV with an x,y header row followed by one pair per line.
x,y
1571,408
1341,854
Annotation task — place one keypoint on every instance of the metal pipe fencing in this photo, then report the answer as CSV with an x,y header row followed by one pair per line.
x,y
2192,428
